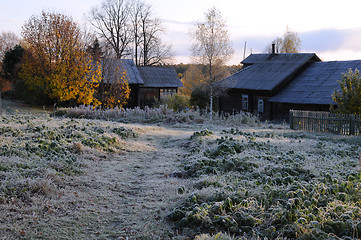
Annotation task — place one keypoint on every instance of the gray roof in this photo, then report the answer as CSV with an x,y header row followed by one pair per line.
x,y
264,72
159,77
113,69
316,84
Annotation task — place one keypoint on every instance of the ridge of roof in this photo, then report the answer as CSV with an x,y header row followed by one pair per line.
x,y
279,57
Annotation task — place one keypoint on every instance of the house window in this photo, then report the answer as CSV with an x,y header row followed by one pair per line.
x,y
260,106
167,91
245,102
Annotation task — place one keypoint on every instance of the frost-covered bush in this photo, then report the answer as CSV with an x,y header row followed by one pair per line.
x,y
176,102
33,145
161,114
247,184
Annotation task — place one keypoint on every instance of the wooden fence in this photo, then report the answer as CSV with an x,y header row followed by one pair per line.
x,y
346,124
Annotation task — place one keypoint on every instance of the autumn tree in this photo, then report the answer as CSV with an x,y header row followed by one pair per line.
x,y
114,88
192,78
289,43
348,98
56,61
211,46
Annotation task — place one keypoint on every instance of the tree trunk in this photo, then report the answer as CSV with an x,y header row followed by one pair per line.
x,y
211,90
211,103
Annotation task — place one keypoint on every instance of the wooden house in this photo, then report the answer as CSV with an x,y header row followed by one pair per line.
x,y
312,89
158,83
261,78
147,84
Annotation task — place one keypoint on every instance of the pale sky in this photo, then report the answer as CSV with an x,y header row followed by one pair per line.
x,y
331,29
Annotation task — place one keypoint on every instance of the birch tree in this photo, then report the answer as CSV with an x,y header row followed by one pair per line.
x,y
211,45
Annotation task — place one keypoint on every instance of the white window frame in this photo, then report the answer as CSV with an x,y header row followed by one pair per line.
x,y
245,102
260,105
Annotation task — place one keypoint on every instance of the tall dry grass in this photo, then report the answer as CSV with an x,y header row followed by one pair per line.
x,y
161,114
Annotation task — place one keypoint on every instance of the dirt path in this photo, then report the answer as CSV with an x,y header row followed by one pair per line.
x,y
132,193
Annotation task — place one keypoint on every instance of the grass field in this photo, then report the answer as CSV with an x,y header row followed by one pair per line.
x,y
178,177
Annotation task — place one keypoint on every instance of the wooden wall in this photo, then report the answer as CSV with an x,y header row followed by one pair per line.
x,y
231,102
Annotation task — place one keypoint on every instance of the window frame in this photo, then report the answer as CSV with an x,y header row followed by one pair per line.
x,y
245,102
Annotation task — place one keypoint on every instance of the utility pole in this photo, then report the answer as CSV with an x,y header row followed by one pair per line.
x,y
244,51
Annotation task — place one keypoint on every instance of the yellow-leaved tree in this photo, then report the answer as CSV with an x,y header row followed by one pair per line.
x,y
192,78
114,90
117,93
56,61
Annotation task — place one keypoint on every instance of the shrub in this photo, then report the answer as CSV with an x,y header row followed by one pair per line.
x,y
176,102
200,98
348,99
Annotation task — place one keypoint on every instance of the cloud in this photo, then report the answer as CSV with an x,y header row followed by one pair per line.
x,y
170,21
322,40
352,40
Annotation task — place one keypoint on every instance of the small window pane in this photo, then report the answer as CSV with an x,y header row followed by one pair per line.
x,y
245,102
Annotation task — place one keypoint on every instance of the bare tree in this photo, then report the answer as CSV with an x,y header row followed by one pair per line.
x,y
126,25
211,45
148,46
8,40
111,19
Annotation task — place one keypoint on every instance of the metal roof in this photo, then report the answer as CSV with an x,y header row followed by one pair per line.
x,y
113,69
316,84
159,77
264,72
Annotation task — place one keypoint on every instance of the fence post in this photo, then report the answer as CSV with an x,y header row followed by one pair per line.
x,y
352,124
339,124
